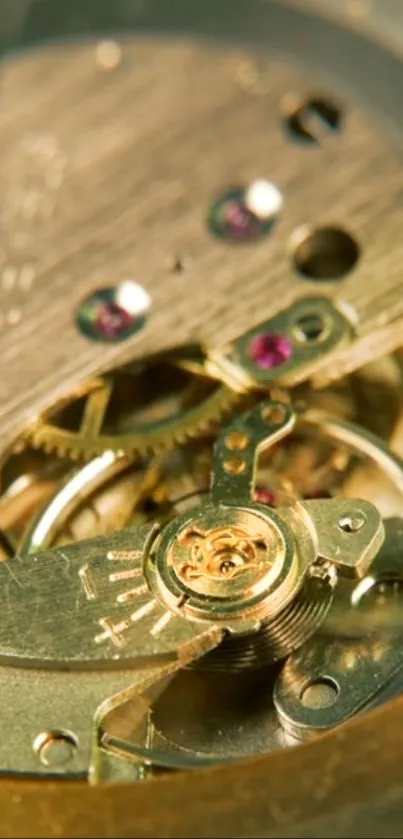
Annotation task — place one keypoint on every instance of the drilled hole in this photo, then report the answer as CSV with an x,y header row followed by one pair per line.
x,y
274,414
234,466
312,120
320,693
327,253
237,440
352,523
310,328
55,747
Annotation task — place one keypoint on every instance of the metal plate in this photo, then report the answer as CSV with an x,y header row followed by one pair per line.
x,y
110,174
106,133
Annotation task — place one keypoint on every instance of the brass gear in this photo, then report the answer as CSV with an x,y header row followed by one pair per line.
x,y
309,465
325,456
104,413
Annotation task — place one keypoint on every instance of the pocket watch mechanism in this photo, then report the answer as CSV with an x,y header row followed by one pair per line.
x,y
201,404
232,567
212,563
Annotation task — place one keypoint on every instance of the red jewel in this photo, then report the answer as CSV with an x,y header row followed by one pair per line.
x,y
270,350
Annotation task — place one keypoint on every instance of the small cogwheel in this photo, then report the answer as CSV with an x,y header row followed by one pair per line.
x,y
136,410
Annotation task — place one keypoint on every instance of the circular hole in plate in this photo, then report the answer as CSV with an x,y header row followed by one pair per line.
x,y
274,414
325,253
234,466
310,328
320,693
237,441
352,523
56,747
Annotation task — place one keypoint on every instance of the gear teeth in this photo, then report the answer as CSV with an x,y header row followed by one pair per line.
x,y
65,444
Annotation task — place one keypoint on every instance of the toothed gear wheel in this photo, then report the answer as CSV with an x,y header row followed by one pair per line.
x,y
136,410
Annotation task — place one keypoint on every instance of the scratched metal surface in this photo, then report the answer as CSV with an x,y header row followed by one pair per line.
x,y
69,230
109,174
